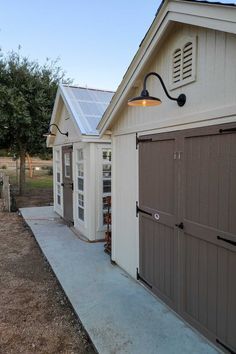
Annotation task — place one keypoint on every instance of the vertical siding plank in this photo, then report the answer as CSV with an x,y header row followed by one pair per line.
x,y
162,259
213,182
156,261
168,275
204,181
230,75
188,181
232,185
212,287
222,298
219,59
192,276
231,325
224,179
202,291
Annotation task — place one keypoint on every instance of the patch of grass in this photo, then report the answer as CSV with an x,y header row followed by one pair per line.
x,y
39,182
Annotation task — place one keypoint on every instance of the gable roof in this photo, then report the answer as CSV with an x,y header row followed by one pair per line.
x,y
213,15
85,105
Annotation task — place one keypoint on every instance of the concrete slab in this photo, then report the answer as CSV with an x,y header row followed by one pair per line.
x,y
119,314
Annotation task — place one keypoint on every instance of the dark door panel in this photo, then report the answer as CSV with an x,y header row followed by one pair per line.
x,y
67,169
158,234
209,252
187,183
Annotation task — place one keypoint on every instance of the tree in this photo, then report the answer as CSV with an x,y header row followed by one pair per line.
x,y
27,93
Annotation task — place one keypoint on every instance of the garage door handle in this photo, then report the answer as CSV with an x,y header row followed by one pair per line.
x,y
180,225
226,240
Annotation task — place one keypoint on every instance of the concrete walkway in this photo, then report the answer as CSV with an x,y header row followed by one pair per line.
x,y
119,314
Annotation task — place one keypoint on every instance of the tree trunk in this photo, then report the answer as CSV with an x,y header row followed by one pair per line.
x,y
22,173
29,159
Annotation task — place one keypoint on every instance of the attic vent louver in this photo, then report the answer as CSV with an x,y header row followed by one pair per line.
x,y
183,64
187,61
177,60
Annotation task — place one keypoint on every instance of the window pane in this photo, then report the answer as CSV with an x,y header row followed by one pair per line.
x,y
107,186
106,171
81,200
106,155
67,164
57,155
67,171
58,177
59,200
80,170
80,155
106,218
80,184
58,189
81,213
106,202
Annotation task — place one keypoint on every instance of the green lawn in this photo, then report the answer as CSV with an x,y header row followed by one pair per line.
x,y
39,181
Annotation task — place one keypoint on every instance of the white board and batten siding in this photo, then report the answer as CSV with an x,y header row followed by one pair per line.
x,y
211,99
88,200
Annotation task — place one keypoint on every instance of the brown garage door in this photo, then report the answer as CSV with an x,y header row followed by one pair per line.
x,y
187,219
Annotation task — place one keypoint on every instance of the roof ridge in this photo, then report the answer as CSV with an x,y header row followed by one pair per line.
x,y
87,88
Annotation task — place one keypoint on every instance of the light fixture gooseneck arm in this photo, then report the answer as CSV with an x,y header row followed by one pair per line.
x,y
162,84
180,100
58,129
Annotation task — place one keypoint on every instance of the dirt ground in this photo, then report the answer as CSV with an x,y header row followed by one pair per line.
x,y
35,316
37,197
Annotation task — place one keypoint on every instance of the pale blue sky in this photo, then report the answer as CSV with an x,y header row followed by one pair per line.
x,y
94,39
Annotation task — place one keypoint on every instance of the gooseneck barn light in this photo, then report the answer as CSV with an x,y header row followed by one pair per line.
x,y
145,99
49,133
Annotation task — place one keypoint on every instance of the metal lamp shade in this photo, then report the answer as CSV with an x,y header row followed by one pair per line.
x,y
142,101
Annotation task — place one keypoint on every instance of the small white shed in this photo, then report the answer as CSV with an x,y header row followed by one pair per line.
x,y
81,160
174,166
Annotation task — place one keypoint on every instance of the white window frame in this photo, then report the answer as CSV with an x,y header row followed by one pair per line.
x,y
105,178
80,176
58,189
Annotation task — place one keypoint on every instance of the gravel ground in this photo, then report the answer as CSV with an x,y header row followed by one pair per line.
x,y
35,316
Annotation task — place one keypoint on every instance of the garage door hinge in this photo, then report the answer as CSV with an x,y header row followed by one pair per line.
x,y
138,210
227,130
138,140
231,351
138,277
226,240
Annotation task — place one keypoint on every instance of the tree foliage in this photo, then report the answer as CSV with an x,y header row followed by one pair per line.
x,y
27,93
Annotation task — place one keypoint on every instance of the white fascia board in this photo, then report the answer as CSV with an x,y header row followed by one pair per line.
x,y
95,139
211,11
213,16
218,17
